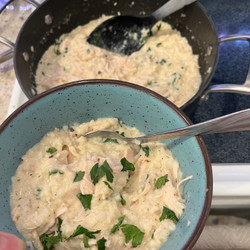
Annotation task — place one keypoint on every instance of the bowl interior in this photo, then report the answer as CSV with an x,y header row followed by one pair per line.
x,y
135,106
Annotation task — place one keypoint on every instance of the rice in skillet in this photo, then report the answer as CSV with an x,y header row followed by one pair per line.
x,y
165,64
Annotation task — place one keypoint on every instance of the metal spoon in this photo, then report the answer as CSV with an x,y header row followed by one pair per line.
x,y
238,121
127,34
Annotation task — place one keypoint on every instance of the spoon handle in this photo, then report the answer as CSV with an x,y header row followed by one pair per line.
x,y
238,121
170,7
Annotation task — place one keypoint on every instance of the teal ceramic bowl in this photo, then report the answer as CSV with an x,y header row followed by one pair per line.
x,y
136,106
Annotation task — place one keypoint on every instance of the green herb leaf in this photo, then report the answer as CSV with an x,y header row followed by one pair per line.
x,y
158,44
101,243
59,225
82,230
153,234
175,78
145,38
162,61
55,171
168,214
107,170
98,172
85,241
122,133
49,240
94,174
57,47
115,228
133,233
85,199
161,181
38,193
111,140
127,165
51,150
79,175
123,202
107,184
158,26
145,150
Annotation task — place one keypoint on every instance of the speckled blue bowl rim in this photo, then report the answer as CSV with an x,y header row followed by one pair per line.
x,y
208,197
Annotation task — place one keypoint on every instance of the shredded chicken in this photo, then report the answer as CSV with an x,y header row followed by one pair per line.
x,y
92,183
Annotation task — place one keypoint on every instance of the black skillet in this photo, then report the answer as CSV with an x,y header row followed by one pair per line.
x,y
55,17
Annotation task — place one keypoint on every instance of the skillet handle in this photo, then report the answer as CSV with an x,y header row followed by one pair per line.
x,y
8,54
230,88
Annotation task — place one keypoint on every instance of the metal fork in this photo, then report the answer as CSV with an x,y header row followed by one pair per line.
x,y
238,121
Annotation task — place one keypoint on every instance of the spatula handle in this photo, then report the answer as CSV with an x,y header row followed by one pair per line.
x,y
170,7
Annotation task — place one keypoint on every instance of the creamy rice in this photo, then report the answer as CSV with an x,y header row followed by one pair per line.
x,y
46,194
165,64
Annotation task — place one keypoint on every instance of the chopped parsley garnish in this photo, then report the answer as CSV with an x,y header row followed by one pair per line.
x,y
111,140
158,26
145,150
88,51
149,82
127,165
51,150
107,184
85,199
168,214
82,230
49,240
145,38
38,193
59,224
43,73
55,171
85,241
175,78
101,243
122,133
79,175
115,228
153,234
161,181
133,233
57,47
94,173
149,49
162,61
86,234
158,44
123,202
98,172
